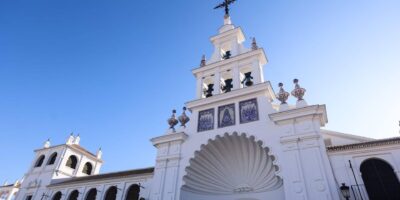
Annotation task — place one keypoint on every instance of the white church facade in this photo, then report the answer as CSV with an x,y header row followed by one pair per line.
x,y
243,141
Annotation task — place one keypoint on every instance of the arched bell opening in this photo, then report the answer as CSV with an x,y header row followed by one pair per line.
x,y
380,180
232,167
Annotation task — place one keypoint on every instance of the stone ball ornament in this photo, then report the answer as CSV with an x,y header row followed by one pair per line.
x,y
298,91
282,96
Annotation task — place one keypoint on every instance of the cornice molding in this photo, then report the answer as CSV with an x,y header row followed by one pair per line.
x,y
365,145
260,52
261,87
300,113
180,136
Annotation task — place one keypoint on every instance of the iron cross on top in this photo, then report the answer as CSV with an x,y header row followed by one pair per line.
x,y
225,5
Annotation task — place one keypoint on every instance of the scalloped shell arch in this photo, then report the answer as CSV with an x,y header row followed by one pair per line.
x,y
231,164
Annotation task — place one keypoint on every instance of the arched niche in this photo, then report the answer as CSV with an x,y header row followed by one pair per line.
x,y
232,167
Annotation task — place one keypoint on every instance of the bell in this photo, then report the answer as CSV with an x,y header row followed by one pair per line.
x,y
228,85
227,55
247,79
210,89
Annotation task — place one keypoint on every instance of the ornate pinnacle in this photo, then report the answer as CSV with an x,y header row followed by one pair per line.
x,y
282,95
172,121
183,119
203,61
254,44
298,91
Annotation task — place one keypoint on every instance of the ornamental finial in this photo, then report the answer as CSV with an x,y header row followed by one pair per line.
x,y
183,119
282,95
298,91
254,44
203,61
172,121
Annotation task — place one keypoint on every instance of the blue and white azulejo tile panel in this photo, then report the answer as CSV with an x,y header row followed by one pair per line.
x,y
226,115
248,111
206,120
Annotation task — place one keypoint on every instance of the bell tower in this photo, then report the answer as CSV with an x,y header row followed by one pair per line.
x,y
232,66
55,163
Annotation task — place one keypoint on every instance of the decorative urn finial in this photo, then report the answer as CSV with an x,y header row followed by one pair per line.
x,y
254,44
298,91
203,61
183,119
172,121
282,95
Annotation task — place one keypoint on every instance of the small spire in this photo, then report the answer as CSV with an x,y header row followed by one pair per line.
x,y
282,95
99,153
183,119
47,143
77,139
254,44
70,139
298,91
172,121
203,61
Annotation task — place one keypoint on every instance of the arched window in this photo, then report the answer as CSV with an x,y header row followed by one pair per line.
x,y
380,180
39,161
74,195
133,192
111,193
71,162
91,195
87,169
57,196
52,159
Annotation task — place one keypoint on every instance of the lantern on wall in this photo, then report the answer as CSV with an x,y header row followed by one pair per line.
x,y
345,190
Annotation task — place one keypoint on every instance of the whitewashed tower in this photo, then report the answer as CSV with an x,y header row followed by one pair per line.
x,y
55,163
239,144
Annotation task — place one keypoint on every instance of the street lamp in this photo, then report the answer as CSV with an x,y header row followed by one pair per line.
x,y
345,191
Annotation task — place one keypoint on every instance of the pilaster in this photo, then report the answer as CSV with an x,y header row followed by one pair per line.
x,y
307,172
167,165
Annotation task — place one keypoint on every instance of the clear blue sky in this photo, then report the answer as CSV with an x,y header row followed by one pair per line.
x,y
113,70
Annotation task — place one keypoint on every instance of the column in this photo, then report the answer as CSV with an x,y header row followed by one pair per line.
x,y
256,71
165,179
199,87
217,83
236,77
